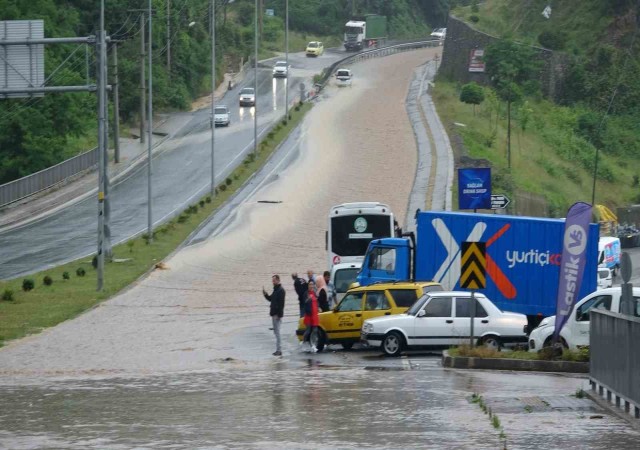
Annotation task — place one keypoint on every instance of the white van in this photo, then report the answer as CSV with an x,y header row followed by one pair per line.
x,y
343,276
605,279
609,253
343,77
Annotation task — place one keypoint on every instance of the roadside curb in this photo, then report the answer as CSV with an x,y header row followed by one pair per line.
x,y
462,362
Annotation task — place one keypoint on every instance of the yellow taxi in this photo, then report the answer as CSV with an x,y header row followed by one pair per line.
x,y
342,325
314,48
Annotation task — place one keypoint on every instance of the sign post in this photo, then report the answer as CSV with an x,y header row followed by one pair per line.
x,y
473,276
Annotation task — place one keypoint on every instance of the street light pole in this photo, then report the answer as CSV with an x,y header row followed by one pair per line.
x,y
102,148
213,97
286,50
255,84
149,129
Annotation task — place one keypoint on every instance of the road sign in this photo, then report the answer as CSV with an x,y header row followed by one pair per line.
x,y
474,188
499,201
474,263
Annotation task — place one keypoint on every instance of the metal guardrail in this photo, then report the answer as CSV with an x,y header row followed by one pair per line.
x,y
374,53
46,178
615,358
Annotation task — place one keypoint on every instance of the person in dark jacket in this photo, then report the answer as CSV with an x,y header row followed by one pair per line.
x,y
300,285
276,310
323,297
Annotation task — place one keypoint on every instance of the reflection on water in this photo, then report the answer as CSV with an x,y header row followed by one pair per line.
x,y
276,406
247,112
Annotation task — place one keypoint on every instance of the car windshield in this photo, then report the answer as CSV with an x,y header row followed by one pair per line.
x,y
313,44
417,306
221,110
281,64
248,91
343,73
344,278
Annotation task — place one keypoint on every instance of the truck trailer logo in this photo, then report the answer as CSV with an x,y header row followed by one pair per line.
x,y
449,271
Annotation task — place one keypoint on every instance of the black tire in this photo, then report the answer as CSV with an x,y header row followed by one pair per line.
x,y
347,345
492,342
393,344
549,340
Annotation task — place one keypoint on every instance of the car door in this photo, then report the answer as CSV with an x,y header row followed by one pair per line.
x,y
461,330
346,318
576,331
435,327
376,304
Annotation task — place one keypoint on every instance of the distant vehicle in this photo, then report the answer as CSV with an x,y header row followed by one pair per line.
x,y
221,116
281,69
442,319
247,97
609,253
605,279
440,33
344,323
314,48
575,332
343,276
352,226
363,34
343,77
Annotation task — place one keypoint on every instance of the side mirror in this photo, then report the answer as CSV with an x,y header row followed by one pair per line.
x,y
421,313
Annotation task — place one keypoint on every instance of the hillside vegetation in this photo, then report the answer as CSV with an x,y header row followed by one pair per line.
x,y
597,107
39,132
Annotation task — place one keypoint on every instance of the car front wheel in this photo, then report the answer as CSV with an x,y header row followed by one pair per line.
x,y
393,344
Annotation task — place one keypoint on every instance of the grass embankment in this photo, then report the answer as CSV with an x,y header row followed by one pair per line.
x,y
483,352
45,306
548,157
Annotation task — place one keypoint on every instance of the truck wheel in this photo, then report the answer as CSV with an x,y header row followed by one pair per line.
x,y
347,345
393,344
492,342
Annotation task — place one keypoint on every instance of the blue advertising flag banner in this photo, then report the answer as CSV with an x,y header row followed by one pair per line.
x,y
574,258
474,188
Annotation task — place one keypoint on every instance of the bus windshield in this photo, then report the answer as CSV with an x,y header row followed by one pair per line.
x,y
351,234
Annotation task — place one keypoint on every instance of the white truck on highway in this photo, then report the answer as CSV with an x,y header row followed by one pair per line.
x,y
575,333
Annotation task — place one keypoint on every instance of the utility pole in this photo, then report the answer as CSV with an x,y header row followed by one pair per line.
x,y
169,38
116,106
255,84
102,149
213,97
149,129
142,81
286,50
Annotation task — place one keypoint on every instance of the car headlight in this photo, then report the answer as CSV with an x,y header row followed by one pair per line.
x,y
367,328
544,323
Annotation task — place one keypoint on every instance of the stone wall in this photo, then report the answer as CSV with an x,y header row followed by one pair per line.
x,y
462,38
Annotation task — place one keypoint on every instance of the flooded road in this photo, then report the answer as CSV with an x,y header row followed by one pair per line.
x,y
330,400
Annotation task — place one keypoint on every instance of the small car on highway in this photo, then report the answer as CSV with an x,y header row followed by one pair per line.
x,y
221,116
344,323
280,69
343,77
442,319
439,33
314,48
247,97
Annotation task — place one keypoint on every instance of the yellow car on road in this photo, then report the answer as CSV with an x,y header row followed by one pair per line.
x,y
344,323
315,48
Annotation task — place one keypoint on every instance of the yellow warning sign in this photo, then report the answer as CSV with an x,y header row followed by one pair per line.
x,y
473,265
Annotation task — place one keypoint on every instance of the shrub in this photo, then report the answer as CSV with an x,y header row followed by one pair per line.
x,y
130,244
182,218
201,203
208,199
271,135
223,187
284,122
80,272
47,280
553,39
66,276
192,209
228,181
474,18
7,295
28,284
297,108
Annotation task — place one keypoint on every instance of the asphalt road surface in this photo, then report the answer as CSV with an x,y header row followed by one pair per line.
x,y
181,174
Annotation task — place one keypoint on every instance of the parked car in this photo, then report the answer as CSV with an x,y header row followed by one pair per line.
x,y
344,323
575,332
440,33
343,77
281,69
605,278
442,319
247,97
315,48
221,116
343,276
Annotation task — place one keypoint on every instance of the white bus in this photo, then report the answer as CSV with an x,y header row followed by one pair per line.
x,y
352,226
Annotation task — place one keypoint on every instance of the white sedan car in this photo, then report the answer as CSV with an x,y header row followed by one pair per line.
x,y
442,319
221,116
280,69
343,77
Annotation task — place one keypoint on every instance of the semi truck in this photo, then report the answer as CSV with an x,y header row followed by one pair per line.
x,y
370,31
522,258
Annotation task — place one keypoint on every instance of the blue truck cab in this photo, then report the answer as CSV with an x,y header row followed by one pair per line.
x,y
522,257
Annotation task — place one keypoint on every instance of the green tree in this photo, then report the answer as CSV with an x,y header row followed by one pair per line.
x,y
472,94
